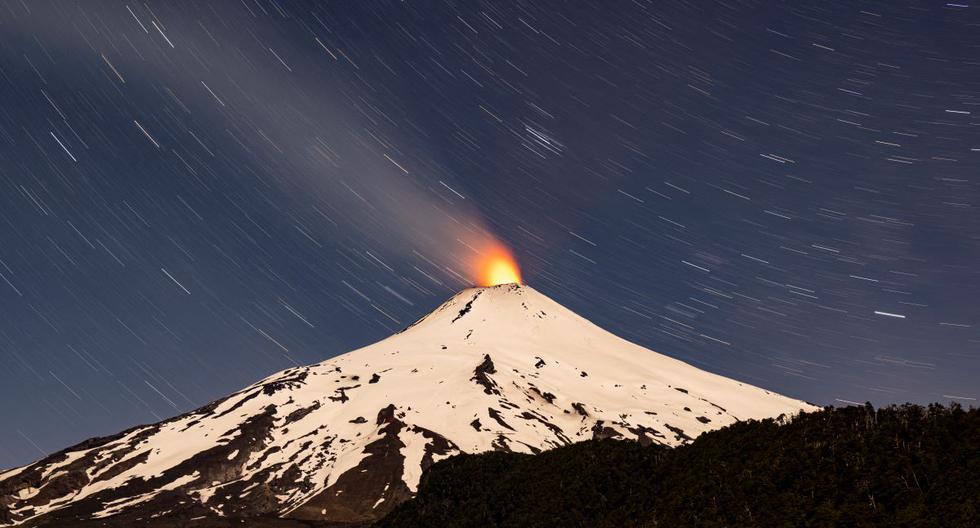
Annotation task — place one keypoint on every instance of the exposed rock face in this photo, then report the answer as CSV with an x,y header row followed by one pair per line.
x,y
346,440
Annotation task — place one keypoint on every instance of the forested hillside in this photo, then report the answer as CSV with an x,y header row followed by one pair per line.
x,y
853,466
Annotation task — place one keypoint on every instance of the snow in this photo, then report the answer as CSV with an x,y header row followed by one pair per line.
x,y
537,348
413,452
28,492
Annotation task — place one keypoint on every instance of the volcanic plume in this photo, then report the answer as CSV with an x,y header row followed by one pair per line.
x,y
497,265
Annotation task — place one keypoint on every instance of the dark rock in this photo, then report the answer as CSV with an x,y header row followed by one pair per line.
x,y
495,414
341,394
679,433
481,375
600,432
547,396
466,308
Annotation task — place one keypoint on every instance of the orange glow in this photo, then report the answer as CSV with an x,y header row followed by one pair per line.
x,y
497,266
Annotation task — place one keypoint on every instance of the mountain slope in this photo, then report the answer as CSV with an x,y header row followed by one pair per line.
x,y
502,368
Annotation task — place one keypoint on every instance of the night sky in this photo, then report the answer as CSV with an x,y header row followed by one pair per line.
x,y
194,195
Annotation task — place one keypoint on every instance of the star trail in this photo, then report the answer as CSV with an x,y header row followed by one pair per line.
x,y
196,195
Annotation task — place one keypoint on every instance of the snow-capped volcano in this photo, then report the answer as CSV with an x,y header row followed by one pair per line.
x,y
498,368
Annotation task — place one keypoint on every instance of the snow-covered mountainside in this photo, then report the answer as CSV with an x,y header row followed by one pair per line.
x,y
502,368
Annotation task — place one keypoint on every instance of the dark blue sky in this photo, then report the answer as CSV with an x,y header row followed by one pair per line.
x,y
193,196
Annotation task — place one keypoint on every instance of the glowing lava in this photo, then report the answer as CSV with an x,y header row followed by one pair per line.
x,y
497,266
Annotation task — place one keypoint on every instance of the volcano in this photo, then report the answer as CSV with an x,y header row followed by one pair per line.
x,y
345,440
